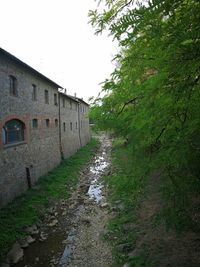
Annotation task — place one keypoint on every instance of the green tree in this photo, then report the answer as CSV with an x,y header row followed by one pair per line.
x,y
153,96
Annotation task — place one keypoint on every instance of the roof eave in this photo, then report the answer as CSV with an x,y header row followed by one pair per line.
x,y
28,67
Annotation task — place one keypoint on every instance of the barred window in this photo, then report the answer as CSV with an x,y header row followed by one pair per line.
x,y
35,123
46,96
55,100
13,86
63,102
34,92
47,123
13,132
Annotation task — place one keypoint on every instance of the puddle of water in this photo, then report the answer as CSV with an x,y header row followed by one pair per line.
x,y
100,166
68,249
64,260
95,192
95,189
43,251
65,257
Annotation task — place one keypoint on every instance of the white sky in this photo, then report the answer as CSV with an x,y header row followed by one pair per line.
x,y
54,37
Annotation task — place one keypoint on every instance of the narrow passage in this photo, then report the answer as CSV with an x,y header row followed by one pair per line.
x,y
90,249
72,232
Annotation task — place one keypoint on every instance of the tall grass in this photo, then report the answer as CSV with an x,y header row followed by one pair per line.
x,y
126,189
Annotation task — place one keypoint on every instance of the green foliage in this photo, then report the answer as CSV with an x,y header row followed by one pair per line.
x,y
31,207
152,99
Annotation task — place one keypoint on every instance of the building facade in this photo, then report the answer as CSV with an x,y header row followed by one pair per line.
x,y
39,125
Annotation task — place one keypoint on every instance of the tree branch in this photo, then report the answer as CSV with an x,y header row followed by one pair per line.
x,y
160,134
132,101
121,8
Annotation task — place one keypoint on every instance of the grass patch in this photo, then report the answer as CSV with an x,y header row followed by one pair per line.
x,y
150,219
126,191
31,206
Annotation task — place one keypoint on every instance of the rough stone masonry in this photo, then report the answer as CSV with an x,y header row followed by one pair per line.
x,y
53,125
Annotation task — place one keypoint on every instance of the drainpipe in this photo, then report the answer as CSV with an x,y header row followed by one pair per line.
x,y
59,122
79,125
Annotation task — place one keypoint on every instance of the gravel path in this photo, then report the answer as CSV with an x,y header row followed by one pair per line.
x,y
90,248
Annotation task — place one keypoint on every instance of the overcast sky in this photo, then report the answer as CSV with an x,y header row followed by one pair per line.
x,y
54,37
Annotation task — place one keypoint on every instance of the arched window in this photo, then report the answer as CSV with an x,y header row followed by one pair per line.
x,y
13,132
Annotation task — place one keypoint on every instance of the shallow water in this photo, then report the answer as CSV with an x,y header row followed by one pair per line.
x,y
94,192
58,248
96,186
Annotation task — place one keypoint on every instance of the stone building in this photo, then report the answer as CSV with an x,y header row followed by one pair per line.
x,y
39,124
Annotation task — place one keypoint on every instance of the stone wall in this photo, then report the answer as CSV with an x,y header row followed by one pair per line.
x,y
40,151
70,134
84,122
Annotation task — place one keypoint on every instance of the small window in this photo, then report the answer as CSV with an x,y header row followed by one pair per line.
x,y
56,122
47,123
13,86
64,127
63,102
13,132
76,125
35,123
70,104
34,92
55,99
46,96
71,126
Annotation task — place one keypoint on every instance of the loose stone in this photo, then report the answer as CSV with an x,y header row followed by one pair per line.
x,y
53,223
104,205
43,237
30,239
23,243
15,254
33,230
86,220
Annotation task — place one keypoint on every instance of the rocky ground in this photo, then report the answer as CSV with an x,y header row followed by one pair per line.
x,y
71,234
